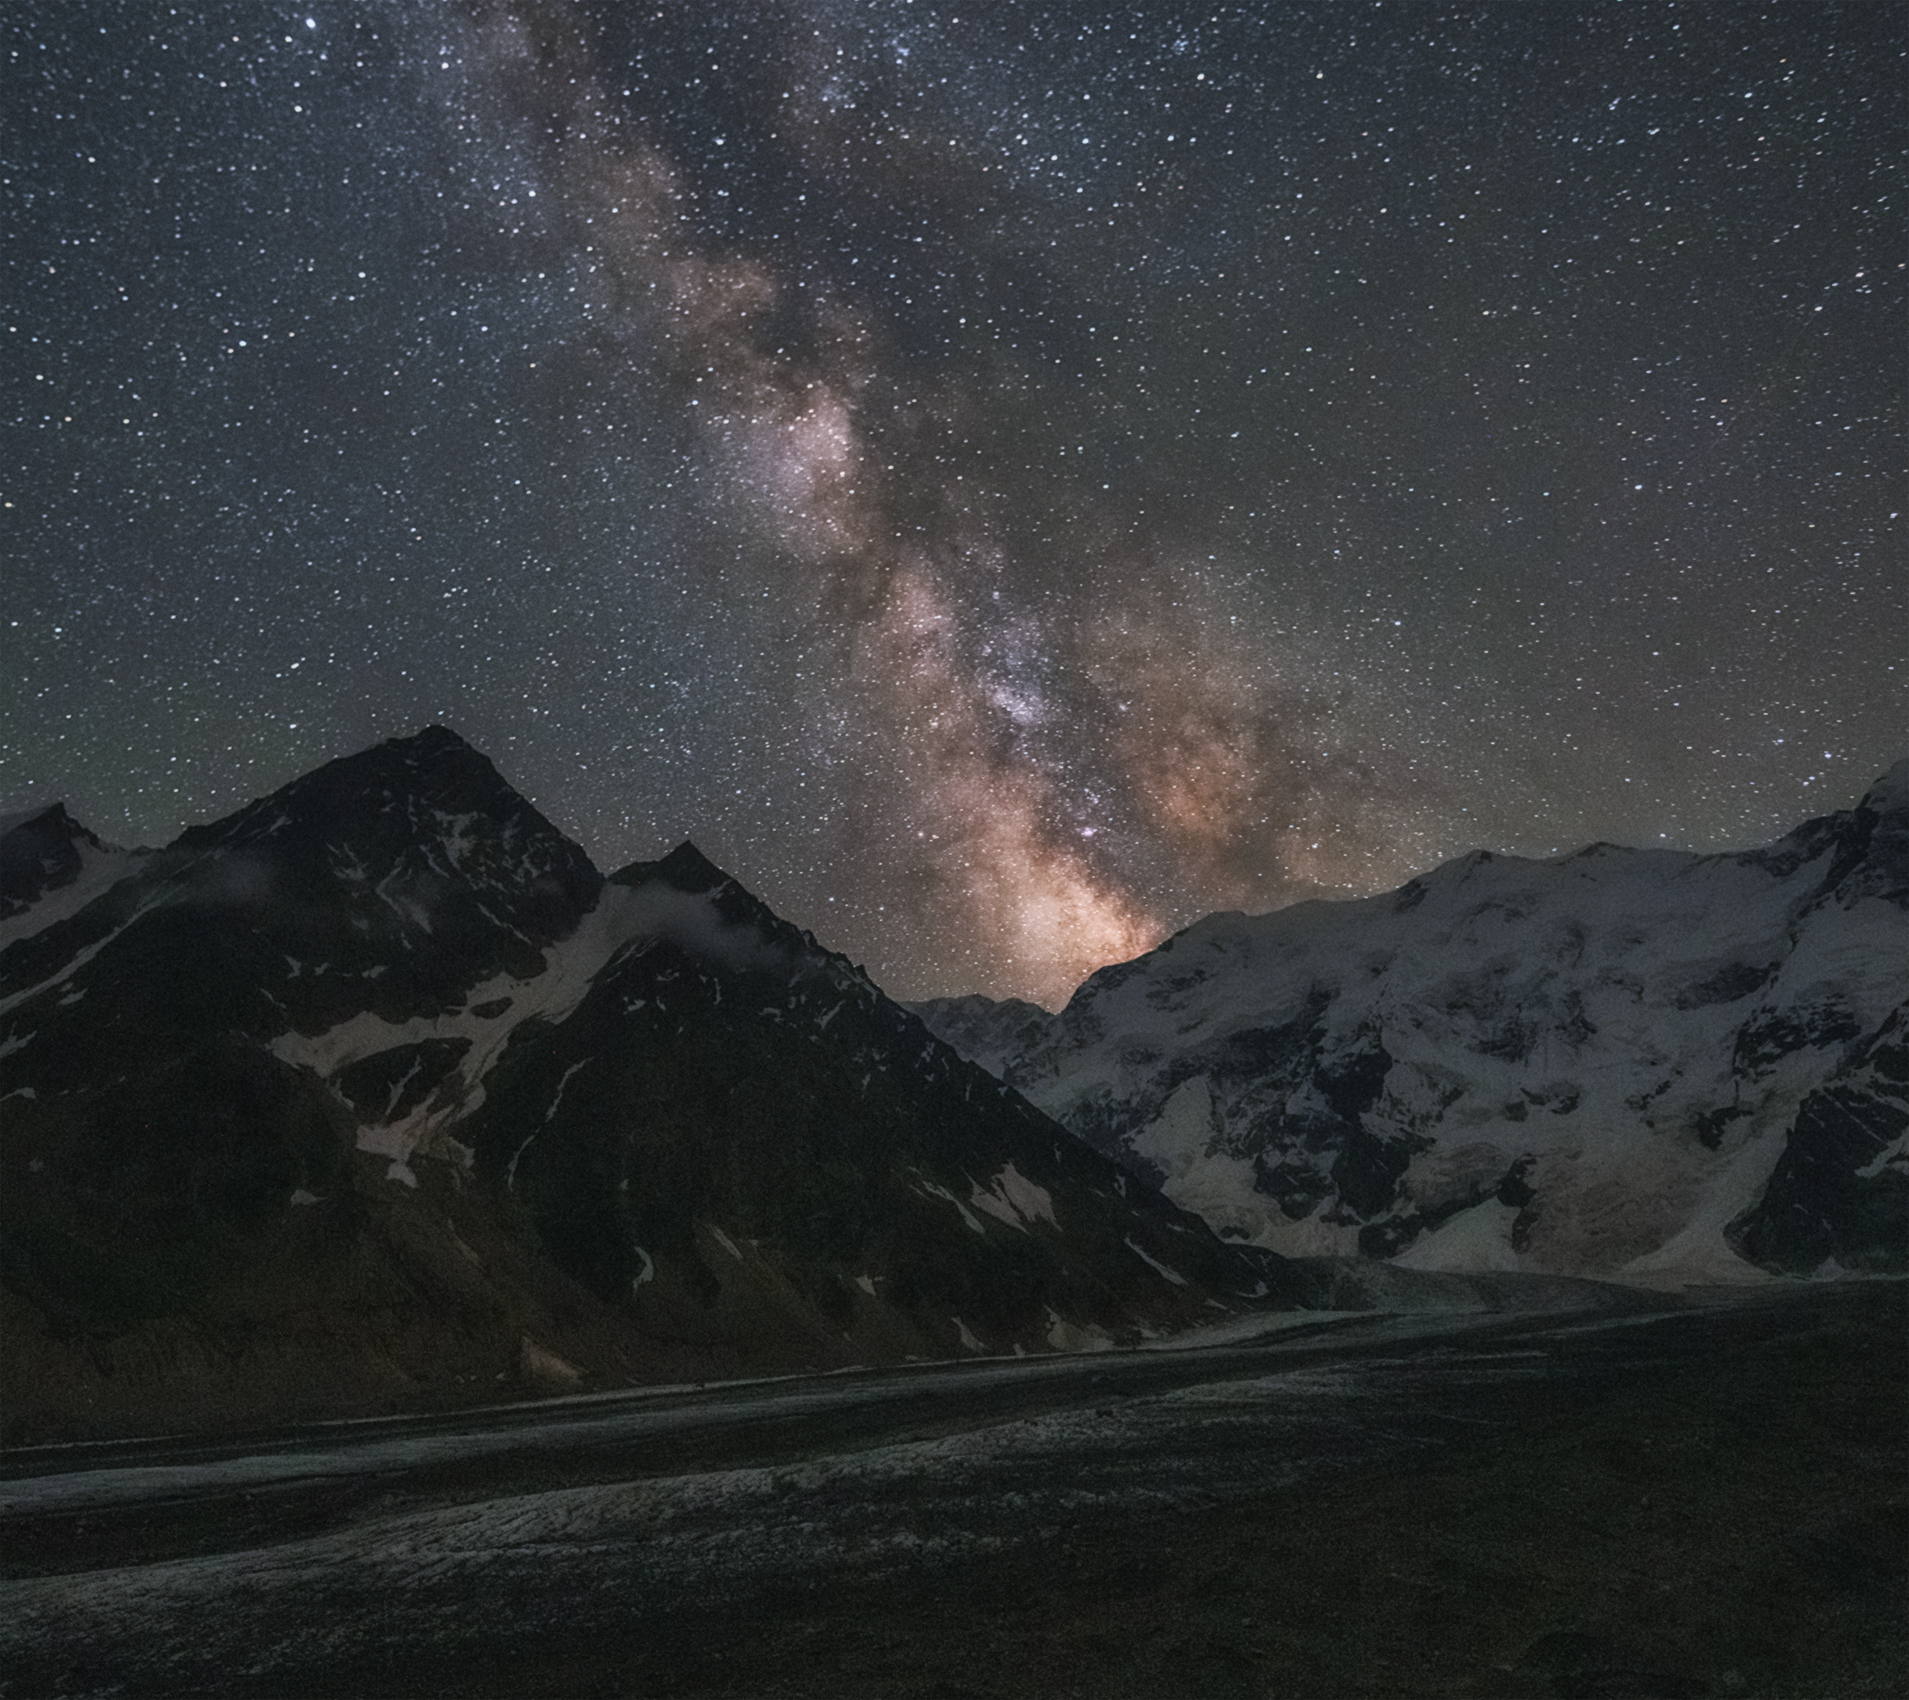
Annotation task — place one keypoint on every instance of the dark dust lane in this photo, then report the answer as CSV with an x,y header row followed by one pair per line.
x,y
1048,1528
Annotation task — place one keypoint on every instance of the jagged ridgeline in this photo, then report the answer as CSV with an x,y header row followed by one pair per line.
x,y
376,1093
1643,1064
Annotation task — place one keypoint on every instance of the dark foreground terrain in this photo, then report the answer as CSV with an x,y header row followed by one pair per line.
x,y
1706,1499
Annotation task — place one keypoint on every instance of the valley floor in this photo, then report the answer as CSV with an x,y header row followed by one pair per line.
x,y
1705,1500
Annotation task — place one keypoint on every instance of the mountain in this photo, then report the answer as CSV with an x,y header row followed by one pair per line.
x,y
1636,1063
51,866
377,1093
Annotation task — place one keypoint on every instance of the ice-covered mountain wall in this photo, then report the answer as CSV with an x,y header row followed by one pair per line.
x,y
1625,1062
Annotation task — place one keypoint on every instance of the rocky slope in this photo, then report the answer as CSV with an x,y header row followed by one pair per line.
x,y
1639,1063
377,1093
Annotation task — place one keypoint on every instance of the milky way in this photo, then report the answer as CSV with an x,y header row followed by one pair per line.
x,y
1006,480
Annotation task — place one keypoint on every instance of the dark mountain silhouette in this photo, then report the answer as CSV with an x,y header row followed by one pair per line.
x,y
376,1094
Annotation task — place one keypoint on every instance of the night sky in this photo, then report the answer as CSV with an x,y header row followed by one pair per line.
x,y
1006,479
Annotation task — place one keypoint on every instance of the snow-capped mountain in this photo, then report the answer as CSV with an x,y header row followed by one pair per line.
x,y
379,1085
51,866
1644,1063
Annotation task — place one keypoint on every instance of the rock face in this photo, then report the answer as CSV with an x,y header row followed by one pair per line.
x,y
376,1093
1616,1062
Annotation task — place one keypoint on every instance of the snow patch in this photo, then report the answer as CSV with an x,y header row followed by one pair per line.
x,y
394,1140
1156,1265
80,958
1472,1242
1014,1199
540,1364
1896,1153
928,1189
100,870
1699,1252
1065,1336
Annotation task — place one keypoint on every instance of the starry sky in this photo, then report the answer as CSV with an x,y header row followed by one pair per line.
x,y
1005,479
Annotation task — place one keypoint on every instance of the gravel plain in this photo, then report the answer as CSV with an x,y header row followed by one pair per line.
x,y
1693,1499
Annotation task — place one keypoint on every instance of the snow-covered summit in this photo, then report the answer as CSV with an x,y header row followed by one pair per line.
x,y
1603,1062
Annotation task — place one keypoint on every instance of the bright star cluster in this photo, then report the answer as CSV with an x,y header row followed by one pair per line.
x,y
1006,479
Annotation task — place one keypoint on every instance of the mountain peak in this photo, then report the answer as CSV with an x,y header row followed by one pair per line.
x,y
684,869
1890,794
435,734
688,869
421,834
391,789
435,758
49,818
380,1043
40,850
433,744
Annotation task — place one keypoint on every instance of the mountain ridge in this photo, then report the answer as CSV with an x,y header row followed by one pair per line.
x,y
1377,1075
376,1092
